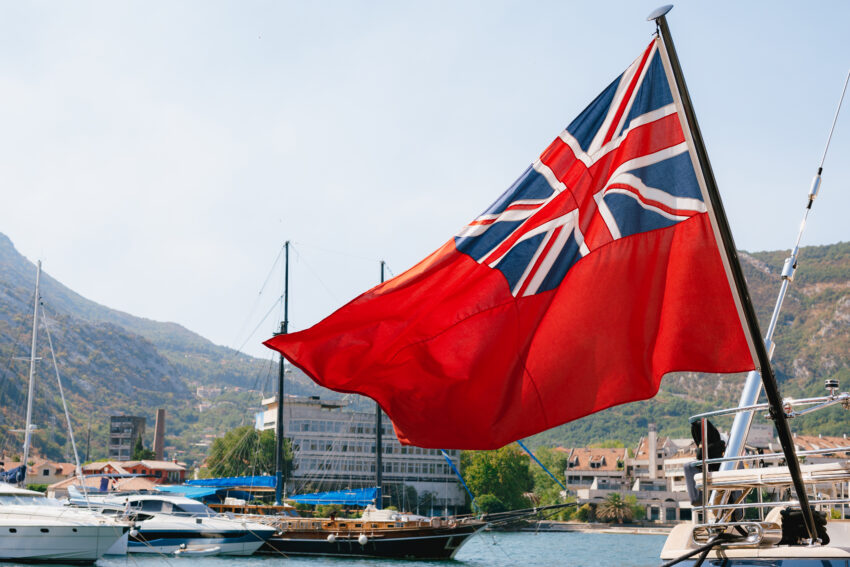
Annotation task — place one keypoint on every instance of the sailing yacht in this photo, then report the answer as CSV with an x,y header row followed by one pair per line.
x,y
34,528
377,533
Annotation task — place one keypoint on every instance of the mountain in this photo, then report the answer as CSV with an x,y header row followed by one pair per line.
x,y
115,363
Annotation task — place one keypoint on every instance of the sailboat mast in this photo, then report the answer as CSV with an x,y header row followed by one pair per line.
x,y
751,325
280,461
28,430
379,439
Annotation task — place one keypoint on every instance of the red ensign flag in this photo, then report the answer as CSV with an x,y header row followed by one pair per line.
x,y
592,276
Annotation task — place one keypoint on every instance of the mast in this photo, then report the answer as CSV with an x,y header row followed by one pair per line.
x,y
379,438
751,326
279,458
752,387
28,430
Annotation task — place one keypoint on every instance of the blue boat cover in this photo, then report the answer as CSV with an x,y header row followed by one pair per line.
x,y
356,497
14,476
235,482
188,491
206,494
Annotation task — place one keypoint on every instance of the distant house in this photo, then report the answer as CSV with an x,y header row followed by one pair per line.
x,y
42,471
596,467
820,443
95,483
160,472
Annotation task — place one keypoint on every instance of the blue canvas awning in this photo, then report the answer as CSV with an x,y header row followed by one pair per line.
x,y
196,492
356,497
206,494
235,482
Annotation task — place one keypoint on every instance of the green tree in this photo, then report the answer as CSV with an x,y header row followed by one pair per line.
x,y
504,473
244,451
585,513
489,504
614,508
638,511
547,490
139,451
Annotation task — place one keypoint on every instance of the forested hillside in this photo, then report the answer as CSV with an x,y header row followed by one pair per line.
x,y
115,363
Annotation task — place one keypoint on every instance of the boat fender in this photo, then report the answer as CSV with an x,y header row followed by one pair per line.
x,y
134,532
362,539
452,523
331,538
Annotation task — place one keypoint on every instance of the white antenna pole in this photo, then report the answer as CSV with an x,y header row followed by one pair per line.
x,y
752,387
28,431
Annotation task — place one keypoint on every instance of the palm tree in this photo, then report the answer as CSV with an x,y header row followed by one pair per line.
x,y
614,508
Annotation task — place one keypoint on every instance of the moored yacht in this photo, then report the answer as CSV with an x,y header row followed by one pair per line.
x,y
34,528
377,533
167,524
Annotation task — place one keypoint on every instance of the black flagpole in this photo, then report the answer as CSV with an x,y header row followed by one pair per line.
x,y
763,360
379,441
280,460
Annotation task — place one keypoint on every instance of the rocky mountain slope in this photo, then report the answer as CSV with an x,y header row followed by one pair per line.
x,y
115,363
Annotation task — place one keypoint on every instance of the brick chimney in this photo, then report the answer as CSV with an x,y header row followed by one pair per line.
x,y
159,435
652,448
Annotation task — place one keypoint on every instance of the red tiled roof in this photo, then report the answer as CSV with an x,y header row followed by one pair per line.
x,y
814,443
603,459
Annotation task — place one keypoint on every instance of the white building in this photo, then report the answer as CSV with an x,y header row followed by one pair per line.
x,y
335,449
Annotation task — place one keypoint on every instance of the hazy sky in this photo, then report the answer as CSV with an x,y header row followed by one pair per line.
x,y
156,155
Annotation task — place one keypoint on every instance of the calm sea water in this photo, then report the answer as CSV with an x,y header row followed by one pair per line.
x,y
483,550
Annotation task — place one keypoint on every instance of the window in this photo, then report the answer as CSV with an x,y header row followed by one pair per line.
x,y
148,505
46,472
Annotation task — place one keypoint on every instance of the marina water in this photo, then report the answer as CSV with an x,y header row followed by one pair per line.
x,y
489,549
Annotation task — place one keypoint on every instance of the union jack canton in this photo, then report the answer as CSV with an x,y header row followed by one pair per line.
x,y
621,168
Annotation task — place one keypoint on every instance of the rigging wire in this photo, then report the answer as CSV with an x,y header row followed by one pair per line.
x,y
460,476
315,273
263,320
337,252
835,119
257,299
79,469
278,303
536,460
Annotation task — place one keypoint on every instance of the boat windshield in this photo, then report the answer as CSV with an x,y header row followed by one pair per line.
x,y
193,509
27,500
181,509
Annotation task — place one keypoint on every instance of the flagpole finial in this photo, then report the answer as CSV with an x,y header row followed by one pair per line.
x,y
659,12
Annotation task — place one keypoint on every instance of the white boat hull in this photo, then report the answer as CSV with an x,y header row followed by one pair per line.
x,y
231,545
48,542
